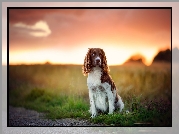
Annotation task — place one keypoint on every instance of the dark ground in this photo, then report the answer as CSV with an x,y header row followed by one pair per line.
x,y
25,117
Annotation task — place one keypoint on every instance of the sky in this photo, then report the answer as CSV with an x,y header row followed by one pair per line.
x,y
63,36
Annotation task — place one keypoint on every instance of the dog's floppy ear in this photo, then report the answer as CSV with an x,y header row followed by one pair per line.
x,y
104,67
87,63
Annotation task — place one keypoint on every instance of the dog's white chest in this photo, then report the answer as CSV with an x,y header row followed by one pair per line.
x,y
94,77
97,89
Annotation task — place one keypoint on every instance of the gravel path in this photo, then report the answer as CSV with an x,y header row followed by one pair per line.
x,y
24,117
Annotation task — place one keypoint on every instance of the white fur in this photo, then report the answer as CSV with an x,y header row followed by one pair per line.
x,y
100,94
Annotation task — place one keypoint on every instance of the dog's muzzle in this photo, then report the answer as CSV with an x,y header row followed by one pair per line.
x,y
98,61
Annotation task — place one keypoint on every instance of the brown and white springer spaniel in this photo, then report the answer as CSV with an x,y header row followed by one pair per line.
x,y
102,90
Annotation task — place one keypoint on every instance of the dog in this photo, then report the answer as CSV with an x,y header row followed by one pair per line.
x,y
102,90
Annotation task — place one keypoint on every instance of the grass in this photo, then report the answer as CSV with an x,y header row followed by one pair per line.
x,y
140,114
55,106
60,91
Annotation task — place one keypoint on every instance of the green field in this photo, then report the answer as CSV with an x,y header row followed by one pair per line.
x,y
61,91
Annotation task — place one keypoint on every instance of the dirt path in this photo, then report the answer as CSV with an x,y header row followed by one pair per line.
x,y
24,117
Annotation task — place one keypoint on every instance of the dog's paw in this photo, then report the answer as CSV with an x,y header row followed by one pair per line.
x,y
111,109
93,115
110,113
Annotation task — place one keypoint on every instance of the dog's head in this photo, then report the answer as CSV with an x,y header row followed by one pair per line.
x,y
95,57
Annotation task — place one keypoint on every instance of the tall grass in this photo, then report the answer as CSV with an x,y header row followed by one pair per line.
x,y
60,79
61,91
150,82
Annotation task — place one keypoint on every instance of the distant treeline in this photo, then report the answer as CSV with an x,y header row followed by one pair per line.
x,y
162,56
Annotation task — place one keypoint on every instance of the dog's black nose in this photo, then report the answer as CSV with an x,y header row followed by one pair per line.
x,y
97,60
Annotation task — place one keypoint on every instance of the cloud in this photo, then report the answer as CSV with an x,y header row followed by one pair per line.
x,y
39,29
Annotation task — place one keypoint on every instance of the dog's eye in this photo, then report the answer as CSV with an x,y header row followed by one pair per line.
x,y
93,54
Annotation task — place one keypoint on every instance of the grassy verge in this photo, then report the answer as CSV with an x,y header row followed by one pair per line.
x,y
60,91
56,106
139,113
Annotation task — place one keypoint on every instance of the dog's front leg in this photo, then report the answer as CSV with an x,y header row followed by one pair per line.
x,y
110,101
93,110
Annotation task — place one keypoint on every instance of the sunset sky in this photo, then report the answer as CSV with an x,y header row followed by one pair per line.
x,y
63,36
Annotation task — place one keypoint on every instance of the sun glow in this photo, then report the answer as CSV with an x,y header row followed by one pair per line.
x,y
118,55
46,55
115,55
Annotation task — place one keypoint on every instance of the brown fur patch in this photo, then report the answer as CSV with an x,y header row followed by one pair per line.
x,y
107,78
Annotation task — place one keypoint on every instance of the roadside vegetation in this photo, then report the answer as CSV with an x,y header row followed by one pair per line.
x,y
61,91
